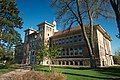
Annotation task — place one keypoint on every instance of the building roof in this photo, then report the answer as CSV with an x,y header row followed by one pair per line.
x,y
45,22
29,29
78,30
67,31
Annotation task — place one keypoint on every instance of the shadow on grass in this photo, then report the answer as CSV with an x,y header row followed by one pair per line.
x,y
82,75
68,67
112,71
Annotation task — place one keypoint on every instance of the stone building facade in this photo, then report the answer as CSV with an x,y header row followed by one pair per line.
x,y
74,51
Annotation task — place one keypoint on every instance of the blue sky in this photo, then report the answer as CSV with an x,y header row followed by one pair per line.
x,y
34,12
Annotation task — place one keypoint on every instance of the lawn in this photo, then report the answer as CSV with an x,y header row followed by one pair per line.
x,y
85,73
7,68
2,71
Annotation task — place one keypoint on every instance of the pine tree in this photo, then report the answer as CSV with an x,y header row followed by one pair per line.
x,y
9,21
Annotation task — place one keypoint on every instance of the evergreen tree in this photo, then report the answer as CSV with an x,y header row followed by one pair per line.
x,y
9,21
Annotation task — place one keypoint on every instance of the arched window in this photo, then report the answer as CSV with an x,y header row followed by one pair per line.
x,y
81,63
59,62
67,63
71,62
63,63
76,62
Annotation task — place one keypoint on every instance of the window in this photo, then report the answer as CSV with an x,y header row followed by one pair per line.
x,y
76,52
80,39
63,63
71,49
47,62
59,41
75,36
59,62
67,40
67,63
80,50
67,51
79,36
75,40
71,63
48,34
81,63
48,28
71,53
63,41
63,51
52,62
75,49
40,28
71,37
76,62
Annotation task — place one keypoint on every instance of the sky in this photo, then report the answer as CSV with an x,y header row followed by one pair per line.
x,y
34,12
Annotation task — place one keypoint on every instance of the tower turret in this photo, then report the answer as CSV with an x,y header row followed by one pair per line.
x,y
55,27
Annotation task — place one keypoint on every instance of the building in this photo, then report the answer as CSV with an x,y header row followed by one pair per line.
x,y
74,50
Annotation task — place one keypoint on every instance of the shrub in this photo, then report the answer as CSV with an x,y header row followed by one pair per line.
x,y
34,75
3,66
56,76
14,66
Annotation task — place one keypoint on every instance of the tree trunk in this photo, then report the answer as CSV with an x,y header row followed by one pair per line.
x,y
92,64
50,68
92,37
88,45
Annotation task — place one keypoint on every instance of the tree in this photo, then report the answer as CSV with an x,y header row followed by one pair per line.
x,y
116,7
9,21
2,51
117,52
116,57
53,52
76,11
41,53
50,53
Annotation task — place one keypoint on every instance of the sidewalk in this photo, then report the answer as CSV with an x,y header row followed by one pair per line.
x,y
17,72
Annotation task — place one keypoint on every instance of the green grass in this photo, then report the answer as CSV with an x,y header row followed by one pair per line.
x,y
7,68
85,73
2,71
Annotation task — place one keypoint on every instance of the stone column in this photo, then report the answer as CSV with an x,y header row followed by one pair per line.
x,y
61,62
65,62
69,62
73,62
78,63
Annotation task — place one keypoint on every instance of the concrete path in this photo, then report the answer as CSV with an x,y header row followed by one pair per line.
x,y
17,72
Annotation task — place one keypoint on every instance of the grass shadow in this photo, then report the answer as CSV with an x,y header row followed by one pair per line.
x,y
87,76
100,70
112,71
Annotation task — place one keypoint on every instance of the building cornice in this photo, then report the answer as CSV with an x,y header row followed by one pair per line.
x,y
45,23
